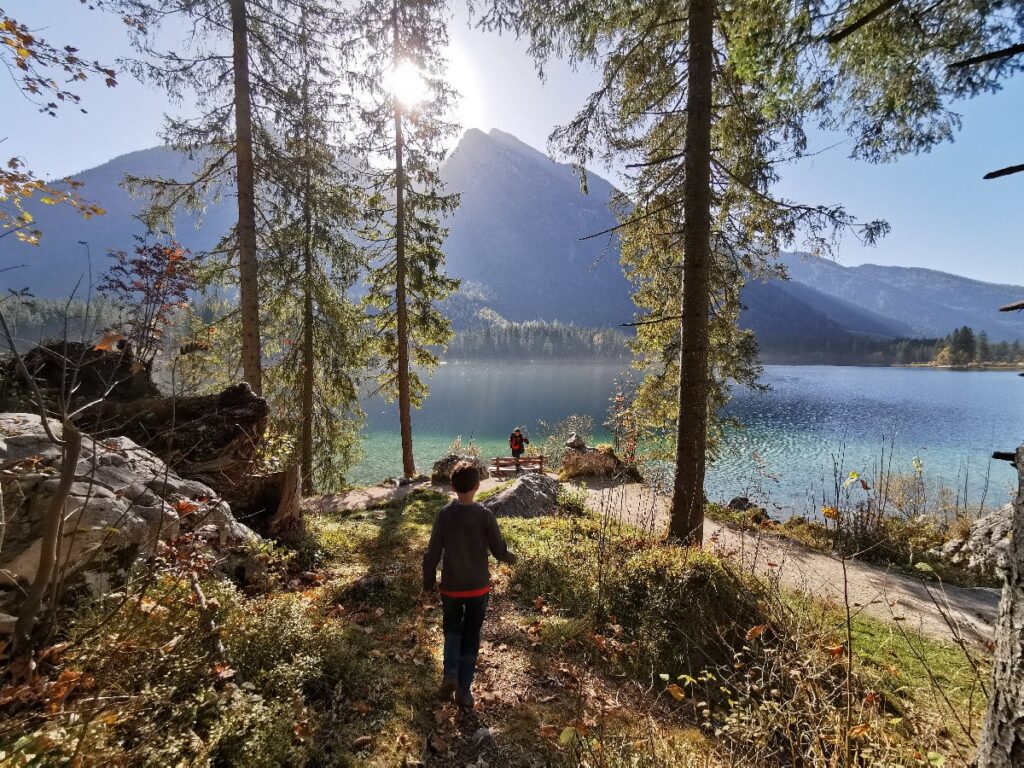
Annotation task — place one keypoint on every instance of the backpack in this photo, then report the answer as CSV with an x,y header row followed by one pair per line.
x,y
515,442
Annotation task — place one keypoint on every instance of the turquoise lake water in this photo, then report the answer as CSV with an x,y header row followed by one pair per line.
x,y
950,420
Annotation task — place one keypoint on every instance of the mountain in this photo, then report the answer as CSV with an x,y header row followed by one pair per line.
x,y
520,241
927,302
52,268
518,230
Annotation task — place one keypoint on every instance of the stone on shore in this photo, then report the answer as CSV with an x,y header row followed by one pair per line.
x,y
442,471
532,495
987,545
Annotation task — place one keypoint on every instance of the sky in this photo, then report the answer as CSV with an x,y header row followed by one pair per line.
x,y
943,215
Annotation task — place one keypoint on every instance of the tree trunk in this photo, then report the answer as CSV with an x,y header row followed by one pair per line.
x,y
404,398
288,524
248,285
306,439
687,510
1002,740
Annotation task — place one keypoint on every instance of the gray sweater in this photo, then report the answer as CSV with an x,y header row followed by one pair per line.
x,y
463,534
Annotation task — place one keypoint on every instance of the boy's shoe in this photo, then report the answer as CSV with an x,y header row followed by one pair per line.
x,y
447,689
464,699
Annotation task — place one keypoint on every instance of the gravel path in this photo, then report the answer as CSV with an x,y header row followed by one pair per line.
x,y
945,612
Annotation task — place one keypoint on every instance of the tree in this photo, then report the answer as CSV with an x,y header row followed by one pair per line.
x,y
314,210
232,95
701,102
404,129
35,66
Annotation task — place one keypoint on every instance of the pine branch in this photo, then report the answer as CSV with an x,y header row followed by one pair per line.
x,y
867,18
1002,53
1007,171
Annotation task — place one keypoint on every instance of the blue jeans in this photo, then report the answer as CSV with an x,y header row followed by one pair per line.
x,y
463,617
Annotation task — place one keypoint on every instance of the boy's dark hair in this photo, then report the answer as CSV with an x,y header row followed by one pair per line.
x,y
465,477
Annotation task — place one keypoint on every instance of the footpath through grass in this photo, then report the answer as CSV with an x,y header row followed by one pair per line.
x,y
601,648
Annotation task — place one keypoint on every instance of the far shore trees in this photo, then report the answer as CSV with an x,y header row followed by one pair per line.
x,y
403,136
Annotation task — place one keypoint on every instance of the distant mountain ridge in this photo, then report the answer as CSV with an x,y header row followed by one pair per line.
x,y
521,242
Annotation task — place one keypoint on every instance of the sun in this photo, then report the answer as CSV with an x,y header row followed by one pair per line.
x,y
408,84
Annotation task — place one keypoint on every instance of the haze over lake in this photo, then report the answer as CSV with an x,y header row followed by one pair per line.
x,y
951,420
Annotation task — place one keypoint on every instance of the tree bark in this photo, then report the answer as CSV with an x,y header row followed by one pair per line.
x,y
1002,739
687,510
404,397
248,285
306,438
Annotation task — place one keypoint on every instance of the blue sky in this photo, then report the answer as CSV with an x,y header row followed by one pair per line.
x,y
943,215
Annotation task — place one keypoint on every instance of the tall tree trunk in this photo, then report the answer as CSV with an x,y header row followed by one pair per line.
x,y
1002,740
306,438
248,285
404,398
687,510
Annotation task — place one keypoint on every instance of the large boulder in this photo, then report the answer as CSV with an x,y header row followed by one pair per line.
x,y
124,504
442,471
532,495
985,548
601,462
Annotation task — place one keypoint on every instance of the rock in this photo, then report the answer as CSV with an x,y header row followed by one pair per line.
x,y
596,463
124,502
576,443
986,547
532,495
741,504
442,471
413,480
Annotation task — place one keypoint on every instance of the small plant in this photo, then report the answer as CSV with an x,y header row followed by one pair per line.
x,y
572,499
156,282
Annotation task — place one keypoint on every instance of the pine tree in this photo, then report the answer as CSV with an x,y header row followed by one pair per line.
x,y
312,208
404,133
233,94
701,102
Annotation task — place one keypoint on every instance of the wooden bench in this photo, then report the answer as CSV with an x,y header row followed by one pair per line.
x,y
502,464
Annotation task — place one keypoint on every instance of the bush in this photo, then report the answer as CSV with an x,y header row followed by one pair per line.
x,y
682,608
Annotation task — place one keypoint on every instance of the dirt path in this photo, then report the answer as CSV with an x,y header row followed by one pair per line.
x,y
944,612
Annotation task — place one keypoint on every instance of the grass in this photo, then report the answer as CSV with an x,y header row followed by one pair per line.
x,y
335,662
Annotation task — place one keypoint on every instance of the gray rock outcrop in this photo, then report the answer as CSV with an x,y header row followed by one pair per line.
x,y
576,443
986,546
532,495
125,502
442,471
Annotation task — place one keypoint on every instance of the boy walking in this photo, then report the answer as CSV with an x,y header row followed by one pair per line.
x,y
463,533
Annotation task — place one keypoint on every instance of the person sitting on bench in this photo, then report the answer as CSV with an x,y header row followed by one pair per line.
x,y
517,441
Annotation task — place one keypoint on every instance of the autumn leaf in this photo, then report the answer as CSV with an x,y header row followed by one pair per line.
x,y
870,698
859,731
548,731
301,730
223,671
755,632
830,513
835,651
109,342
539,603
675,692
567,736
185,507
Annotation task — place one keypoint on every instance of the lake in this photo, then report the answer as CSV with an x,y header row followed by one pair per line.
x,y
950,420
